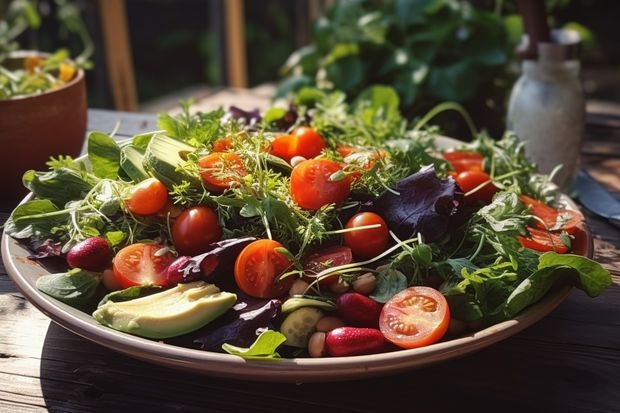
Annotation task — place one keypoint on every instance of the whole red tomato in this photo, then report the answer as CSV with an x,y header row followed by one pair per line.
x,y
366,242
477,186
195,229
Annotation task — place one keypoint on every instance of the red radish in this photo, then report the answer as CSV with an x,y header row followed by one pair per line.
x,y
358,310
92,254
353,341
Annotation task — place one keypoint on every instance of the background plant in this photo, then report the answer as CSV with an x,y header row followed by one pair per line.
x,y
430,51
18,18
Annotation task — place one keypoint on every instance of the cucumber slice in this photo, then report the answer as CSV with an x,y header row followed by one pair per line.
x,y
298,301
299,325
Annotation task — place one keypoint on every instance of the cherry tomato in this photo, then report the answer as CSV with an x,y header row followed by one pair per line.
x,y
147,197
415,317
368,242
543,241
309,142
222,144
141,263
557,219
323,259
221,170
195,229
345,150
477,187
462,161
258,269
360,162
318,182
284,146
303,141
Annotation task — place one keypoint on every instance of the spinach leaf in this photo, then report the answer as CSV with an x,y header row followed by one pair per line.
x,y
591,277
35,218
104,155
60,186
76,288
535,287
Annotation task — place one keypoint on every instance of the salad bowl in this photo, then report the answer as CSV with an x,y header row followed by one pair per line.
x,y
24,272
38,126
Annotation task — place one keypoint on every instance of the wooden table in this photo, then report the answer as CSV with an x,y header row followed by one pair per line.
x,y
569,361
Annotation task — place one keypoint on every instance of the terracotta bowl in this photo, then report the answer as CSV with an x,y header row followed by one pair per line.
x,y
33,128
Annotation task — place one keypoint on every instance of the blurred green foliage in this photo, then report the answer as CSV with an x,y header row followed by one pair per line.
x,y
431,51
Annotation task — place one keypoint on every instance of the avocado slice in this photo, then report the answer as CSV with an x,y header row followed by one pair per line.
x,y
164,156
131,163
179,310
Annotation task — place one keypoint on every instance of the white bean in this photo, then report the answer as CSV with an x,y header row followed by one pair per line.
x,y
365,283
298,287
316,344
295,160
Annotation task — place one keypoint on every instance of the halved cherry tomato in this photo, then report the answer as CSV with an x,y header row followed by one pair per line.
x,y
325,258
463,161
368,242
318,182
555,219
222,144
360,162
147,197
303,141
477,187
195,229
221,170
415,317
258,269
140,264
542,240
345,150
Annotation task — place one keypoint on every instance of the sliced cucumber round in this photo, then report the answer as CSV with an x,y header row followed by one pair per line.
x,y
299,301
299,325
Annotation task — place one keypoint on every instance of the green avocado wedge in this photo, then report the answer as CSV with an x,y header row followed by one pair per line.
x,y
169,313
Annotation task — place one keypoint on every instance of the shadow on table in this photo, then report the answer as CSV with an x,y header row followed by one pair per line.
x,y
79,375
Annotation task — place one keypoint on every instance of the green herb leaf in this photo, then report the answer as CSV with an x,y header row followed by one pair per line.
x,y
264,347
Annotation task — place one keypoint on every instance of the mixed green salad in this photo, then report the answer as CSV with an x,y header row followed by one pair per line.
x,y
319,228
